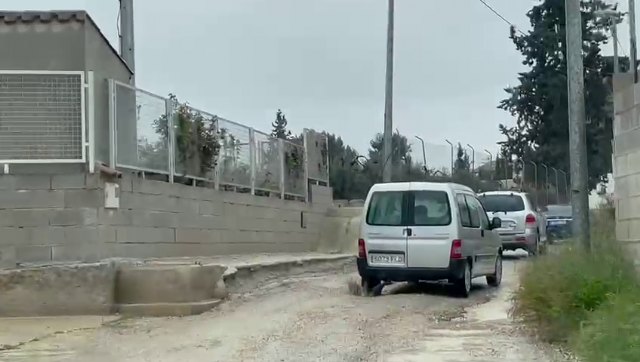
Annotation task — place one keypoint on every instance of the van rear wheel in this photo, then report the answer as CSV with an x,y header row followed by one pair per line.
x,y
462,286
370,287
495,279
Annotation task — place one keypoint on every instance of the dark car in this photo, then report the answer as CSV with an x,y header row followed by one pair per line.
x,y
559,218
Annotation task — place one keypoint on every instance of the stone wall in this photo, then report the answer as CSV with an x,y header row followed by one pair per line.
x,y
51,218
626,160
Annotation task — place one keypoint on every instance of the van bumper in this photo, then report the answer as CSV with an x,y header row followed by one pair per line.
x,y
526,240
453,272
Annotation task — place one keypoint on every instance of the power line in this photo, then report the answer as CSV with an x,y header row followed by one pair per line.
x,y
501,17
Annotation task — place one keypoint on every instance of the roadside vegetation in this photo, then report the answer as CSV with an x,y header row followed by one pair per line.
x,y
589,301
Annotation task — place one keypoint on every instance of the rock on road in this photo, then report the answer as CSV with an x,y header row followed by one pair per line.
x,y
312,318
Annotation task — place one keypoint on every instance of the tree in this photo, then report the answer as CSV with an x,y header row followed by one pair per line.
x,y
280,127
539,102
346,174
462,163
403,168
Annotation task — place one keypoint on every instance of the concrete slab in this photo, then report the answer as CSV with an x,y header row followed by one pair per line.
x,y
167,309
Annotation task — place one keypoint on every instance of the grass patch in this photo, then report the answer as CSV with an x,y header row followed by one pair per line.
x,y
590,300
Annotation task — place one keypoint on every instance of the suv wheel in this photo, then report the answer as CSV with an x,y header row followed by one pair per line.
x,y
535,250
462,286
495,279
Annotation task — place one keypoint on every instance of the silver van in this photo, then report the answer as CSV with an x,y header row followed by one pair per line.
x,y
421,231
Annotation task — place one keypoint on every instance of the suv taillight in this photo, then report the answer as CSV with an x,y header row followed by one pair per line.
x,y
530,221
362,250
456,249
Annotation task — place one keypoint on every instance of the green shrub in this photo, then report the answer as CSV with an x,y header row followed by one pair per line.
x,y
612,333
558,292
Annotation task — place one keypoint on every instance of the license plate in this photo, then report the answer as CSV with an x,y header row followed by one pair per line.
x,y
557,222
391,259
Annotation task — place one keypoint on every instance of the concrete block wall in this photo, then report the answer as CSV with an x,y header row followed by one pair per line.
x,y
626,161
46,218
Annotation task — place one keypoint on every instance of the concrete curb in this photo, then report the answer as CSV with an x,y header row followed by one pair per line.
x,y
143,289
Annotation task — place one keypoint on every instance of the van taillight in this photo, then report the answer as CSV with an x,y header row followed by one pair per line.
x,y
362,250
456,249
530,221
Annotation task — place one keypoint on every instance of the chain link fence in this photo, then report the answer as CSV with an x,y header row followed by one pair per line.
x,y
42,117
159,135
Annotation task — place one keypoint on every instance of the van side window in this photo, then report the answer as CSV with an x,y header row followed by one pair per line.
x,y
385,208
484,219
465,219
474,211
431,208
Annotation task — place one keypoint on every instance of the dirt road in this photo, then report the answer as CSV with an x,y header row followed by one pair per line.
x,y
312,318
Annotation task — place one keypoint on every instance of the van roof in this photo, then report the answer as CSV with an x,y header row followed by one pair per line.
x,y
518,193
405,186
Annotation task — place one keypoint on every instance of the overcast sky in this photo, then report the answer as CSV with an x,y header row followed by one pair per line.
x,y
323,61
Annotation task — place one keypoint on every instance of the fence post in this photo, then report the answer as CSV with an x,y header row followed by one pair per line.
x,y
216,171
171,142
282,166
112,124
91,121
327,160
252,159
305,143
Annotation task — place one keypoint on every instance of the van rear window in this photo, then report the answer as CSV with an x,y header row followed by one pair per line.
x,y
385,209
425,208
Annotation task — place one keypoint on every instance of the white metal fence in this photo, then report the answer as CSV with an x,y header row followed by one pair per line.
x,y
154,134
42,117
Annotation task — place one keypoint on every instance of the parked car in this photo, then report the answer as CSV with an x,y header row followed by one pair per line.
x,y
559,219
421,231
523,223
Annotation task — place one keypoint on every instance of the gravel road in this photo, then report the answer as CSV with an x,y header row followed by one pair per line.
x,y
312,317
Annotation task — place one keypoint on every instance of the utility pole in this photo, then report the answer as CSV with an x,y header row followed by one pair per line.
x,y
546,181
490,164
127,45
387,163
616,56
632,37
577,124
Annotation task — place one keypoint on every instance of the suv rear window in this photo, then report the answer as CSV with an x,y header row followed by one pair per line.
x,y
504,203
385,209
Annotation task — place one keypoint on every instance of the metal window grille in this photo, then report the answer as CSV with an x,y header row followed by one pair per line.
x,y
42,117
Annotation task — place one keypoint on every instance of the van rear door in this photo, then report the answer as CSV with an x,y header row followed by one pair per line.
x,y
429,229
384,229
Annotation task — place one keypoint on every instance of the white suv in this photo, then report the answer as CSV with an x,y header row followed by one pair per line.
x,y
523,223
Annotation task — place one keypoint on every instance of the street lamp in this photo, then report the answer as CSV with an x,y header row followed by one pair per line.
x,y
546,181
451,144
566,187
424,154
557,185
615,18
473,159
490,163
535,179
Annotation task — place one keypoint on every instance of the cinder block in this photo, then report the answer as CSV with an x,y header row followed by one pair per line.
x,y
31,199
34,254
47,235
83,252
13,236
24,217
198,236
7,257
154,219
74,217
83,198
155,187
7,182
132,234
209,208
204,221
71,181
119,217
33,182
